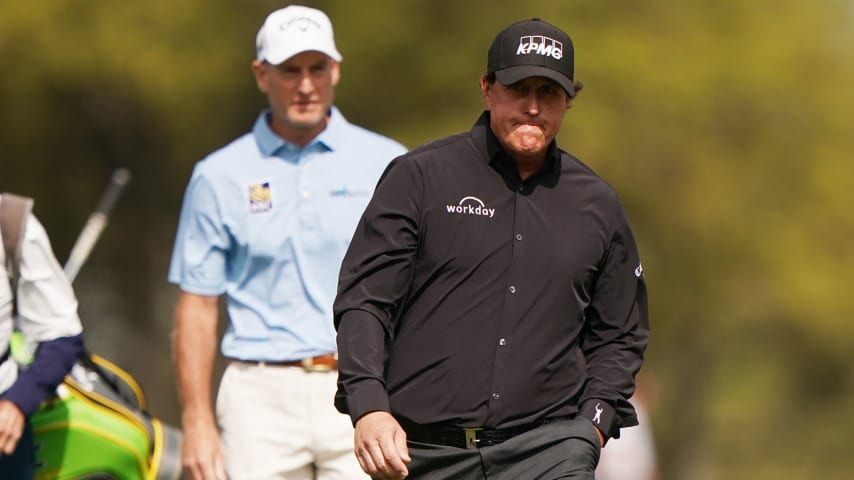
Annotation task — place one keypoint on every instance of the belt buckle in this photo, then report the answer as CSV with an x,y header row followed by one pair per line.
x,y
309,366
471,437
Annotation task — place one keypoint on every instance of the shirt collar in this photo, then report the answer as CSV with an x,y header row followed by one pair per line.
x,y
269,142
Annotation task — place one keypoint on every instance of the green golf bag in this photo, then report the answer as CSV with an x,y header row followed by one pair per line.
x,y
96,427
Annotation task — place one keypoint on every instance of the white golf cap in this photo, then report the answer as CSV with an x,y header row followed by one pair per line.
x,y
292,30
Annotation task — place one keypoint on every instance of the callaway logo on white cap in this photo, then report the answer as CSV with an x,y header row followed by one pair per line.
x,y
300,23
541,45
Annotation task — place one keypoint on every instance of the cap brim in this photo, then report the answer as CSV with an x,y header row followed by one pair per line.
x,y
511,75
282,56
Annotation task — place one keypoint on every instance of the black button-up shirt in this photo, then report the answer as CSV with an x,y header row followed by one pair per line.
x,y
471,298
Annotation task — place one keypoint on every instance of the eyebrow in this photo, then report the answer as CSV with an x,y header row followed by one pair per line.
x,y
318,64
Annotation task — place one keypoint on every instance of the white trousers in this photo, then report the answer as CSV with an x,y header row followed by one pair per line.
x,y
280,423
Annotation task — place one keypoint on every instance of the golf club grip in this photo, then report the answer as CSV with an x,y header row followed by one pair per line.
x,y
96,223
118,182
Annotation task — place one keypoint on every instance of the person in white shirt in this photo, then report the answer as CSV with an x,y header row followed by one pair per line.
x,y
47,317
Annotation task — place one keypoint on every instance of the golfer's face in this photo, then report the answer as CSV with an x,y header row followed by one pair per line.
x,y
301,90
525,116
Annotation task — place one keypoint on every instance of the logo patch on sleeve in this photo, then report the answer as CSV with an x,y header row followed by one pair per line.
x,y
260,199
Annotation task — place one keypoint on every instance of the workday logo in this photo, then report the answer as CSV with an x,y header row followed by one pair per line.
x,y
471,206
541,45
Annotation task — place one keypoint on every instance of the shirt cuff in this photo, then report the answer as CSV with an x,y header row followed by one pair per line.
x,y
367,398
53,360
603,417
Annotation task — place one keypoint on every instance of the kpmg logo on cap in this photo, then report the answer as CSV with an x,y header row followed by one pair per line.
x,y
541,45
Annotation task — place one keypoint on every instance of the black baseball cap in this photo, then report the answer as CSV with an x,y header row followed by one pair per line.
x,y
532,48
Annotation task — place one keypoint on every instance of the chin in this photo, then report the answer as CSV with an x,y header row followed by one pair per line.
x,y
539,147
530,152
305,121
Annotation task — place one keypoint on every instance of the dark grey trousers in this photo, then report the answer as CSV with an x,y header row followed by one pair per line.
x,y
561,450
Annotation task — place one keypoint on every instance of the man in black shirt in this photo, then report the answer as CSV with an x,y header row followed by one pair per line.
x,y
491,309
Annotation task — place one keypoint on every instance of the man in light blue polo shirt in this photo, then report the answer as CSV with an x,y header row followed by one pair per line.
x,y
265,222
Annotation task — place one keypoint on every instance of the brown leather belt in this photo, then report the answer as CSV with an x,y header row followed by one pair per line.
x,y
320,363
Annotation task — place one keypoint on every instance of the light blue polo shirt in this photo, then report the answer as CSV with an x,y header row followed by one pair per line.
x,y
267,224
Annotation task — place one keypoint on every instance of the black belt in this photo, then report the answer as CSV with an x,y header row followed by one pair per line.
x,y
469,438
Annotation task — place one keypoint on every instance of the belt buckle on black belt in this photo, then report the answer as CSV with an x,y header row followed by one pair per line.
x,y
471,437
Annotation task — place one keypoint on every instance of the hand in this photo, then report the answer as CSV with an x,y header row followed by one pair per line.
x,y
12,422
601,437
380,445
201,455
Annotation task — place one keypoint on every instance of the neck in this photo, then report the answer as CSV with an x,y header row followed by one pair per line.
x,y
296,134
528,166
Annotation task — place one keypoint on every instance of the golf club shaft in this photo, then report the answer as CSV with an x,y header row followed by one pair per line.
x,y
96,223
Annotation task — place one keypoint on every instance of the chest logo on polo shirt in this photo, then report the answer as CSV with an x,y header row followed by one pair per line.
x,y
347,192
260,199
471,206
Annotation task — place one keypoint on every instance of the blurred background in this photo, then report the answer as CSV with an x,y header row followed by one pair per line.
x,y
726,127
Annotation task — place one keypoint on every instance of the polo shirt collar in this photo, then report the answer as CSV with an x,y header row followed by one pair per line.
x,y
331,138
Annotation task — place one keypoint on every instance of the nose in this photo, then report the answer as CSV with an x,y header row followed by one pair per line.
x,y
305,85
532,103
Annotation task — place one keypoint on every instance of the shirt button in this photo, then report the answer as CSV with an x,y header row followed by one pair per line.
x,y
306,194
495,396
502,342
512,289
519,237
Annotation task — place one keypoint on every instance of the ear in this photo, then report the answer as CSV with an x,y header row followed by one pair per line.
x,y
485,89
260,73
335,69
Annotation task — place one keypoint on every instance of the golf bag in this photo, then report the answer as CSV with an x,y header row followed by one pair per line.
x,y
96,427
